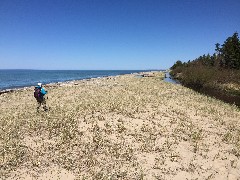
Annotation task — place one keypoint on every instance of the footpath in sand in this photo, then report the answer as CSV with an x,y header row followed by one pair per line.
x,y
122,127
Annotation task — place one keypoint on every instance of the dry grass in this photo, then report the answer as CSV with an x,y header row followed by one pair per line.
x,y
119,128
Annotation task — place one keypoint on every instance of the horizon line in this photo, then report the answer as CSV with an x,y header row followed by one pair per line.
x,y
86,69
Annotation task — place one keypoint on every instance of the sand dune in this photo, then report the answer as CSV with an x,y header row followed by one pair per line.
x,y
122,127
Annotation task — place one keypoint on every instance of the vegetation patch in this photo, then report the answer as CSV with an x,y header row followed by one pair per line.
x,y
217,75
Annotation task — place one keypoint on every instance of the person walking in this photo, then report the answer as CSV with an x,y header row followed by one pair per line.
x,y
39,93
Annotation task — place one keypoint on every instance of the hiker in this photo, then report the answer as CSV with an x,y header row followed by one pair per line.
x,y
39,93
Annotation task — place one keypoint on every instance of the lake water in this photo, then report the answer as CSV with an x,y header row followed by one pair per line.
x,y
22,78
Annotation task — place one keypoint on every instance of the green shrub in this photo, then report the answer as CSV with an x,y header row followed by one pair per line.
x,y
197,76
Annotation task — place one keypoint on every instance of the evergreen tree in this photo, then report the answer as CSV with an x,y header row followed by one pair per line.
x,y
230,52
218,49
177,64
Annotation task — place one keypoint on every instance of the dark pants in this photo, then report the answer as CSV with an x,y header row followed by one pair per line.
x,y
42,101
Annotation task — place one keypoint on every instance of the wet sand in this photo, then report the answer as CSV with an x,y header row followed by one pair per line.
x,y
121,127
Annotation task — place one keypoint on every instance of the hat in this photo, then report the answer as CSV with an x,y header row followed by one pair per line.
x,y
40,84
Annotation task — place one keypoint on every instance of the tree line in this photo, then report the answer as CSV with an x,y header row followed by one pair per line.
x,y
226,56
219,72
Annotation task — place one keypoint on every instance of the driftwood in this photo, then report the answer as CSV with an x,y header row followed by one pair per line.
x,y
6,91
148,75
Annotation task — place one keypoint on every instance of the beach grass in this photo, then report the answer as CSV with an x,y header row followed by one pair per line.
x,y
121,127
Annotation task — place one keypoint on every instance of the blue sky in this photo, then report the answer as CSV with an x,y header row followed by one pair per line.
x,y
111,34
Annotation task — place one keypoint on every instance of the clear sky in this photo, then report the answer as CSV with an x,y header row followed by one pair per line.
x,y
112,34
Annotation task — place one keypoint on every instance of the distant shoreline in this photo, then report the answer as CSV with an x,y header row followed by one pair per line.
x,y
21,88
13,79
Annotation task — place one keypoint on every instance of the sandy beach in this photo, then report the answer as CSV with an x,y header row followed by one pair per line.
x,y
121,127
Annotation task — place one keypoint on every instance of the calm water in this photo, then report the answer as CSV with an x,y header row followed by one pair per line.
x,y
22,78
168,78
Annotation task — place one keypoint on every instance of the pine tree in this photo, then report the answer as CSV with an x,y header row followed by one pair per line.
x,y
230,52
177,64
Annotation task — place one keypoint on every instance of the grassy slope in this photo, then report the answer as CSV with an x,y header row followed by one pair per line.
x,y
122,127
223,84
